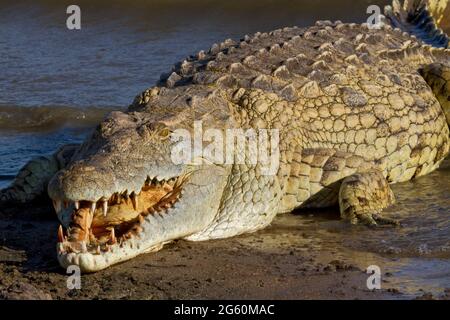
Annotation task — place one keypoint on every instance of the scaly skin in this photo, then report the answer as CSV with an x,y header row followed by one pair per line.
x,y
422,18
354,114
440,10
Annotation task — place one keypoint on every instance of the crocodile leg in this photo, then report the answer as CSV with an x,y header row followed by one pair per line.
x,y
315,177
31,181
322,177
363,196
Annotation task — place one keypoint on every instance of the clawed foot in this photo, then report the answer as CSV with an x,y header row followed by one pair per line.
x,y
362,198
373,220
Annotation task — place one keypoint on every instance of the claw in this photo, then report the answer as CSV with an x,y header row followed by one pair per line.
x,y
57,204
385,221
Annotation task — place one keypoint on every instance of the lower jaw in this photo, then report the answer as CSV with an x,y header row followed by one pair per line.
x,y
88,262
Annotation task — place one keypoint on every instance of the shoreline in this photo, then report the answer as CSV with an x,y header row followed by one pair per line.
x,y
284,261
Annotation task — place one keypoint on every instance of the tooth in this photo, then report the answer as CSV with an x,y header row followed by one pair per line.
x,y
125,196
113,236
57,204
105,208
77,205
134,200
93,207
98,250
141,219
83,247
60,234
137,230
60,247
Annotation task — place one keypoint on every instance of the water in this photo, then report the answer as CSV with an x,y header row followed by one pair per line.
x,y
417,254
55,84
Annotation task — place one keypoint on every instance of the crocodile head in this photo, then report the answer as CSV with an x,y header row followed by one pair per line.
x,y
122,194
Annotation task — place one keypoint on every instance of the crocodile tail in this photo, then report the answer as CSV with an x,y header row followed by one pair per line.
x,y
415,18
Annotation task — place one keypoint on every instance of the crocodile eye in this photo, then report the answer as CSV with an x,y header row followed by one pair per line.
x,y
164,133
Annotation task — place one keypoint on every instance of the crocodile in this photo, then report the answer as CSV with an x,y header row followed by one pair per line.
x,y
354,109
440,11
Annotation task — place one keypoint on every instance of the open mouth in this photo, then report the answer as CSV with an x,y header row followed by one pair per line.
x,y
97,226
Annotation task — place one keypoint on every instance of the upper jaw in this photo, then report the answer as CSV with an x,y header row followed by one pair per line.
x,y
94,180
